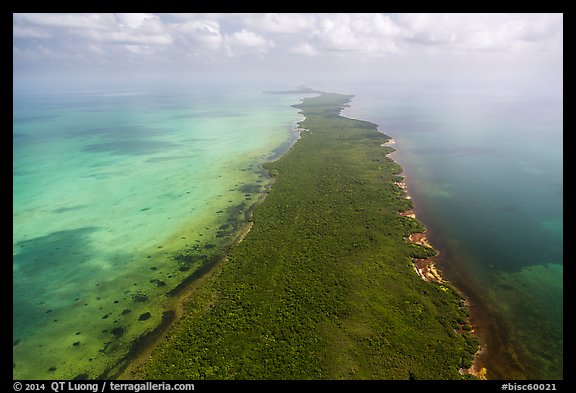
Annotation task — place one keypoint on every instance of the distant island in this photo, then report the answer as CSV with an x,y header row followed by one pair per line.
x,y
298,90
332,277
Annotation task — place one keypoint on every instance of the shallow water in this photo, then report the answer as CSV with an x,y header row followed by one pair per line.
x,y
119,196
484,168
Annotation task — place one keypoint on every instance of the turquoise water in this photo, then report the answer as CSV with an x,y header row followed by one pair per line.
x,y
119,196
484,167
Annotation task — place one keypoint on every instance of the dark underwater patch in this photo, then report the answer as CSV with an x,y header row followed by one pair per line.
x,y
131,147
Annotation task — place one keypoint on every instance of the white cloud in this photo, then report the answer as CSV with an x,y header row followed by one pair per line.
x,y
549,25
281,23
470,32
129,37
81,34
367,34
203,33
134,20
502,37
77,21
28,32
140,49
304,49
244,39
324,37
431,28
375,25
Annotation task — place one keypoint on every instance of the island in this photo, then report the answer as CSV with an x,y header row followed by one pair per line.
x,y
331,278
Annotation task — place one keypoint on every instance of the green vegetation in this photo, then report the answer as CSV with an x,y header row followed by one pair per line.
x,y
323,286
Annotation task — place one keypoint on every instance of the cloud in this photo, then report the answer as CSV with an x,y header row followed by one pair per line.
x,y
76,21
29,32
244,39
134,20
366,34
472,32
207,38
304,49
202,33
133,29
129,37
82,39
281,23
430,28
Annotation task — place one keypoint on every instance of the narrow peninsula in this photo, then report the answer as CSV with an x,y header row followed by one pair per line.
x,y
328,283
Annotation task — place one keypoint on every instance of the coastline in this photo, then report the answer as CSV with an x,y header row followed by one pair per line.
x,y
206,310
127,367
429,271
491,330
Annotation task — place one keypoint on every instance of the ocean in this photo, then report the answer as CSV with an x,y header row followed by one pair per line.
x,y
119,195
484,166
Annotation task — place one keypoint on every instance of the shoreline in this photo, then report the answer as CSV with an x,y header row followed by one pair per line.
x,y
428,270
144,346
241,236
486,362
481,319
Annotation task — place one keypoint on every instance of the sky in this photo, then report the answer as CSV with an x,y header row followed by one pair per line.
x,y
295,46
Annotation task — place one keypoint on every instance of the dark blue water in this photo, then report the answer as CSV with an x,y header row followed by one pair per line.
x,y
484,166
